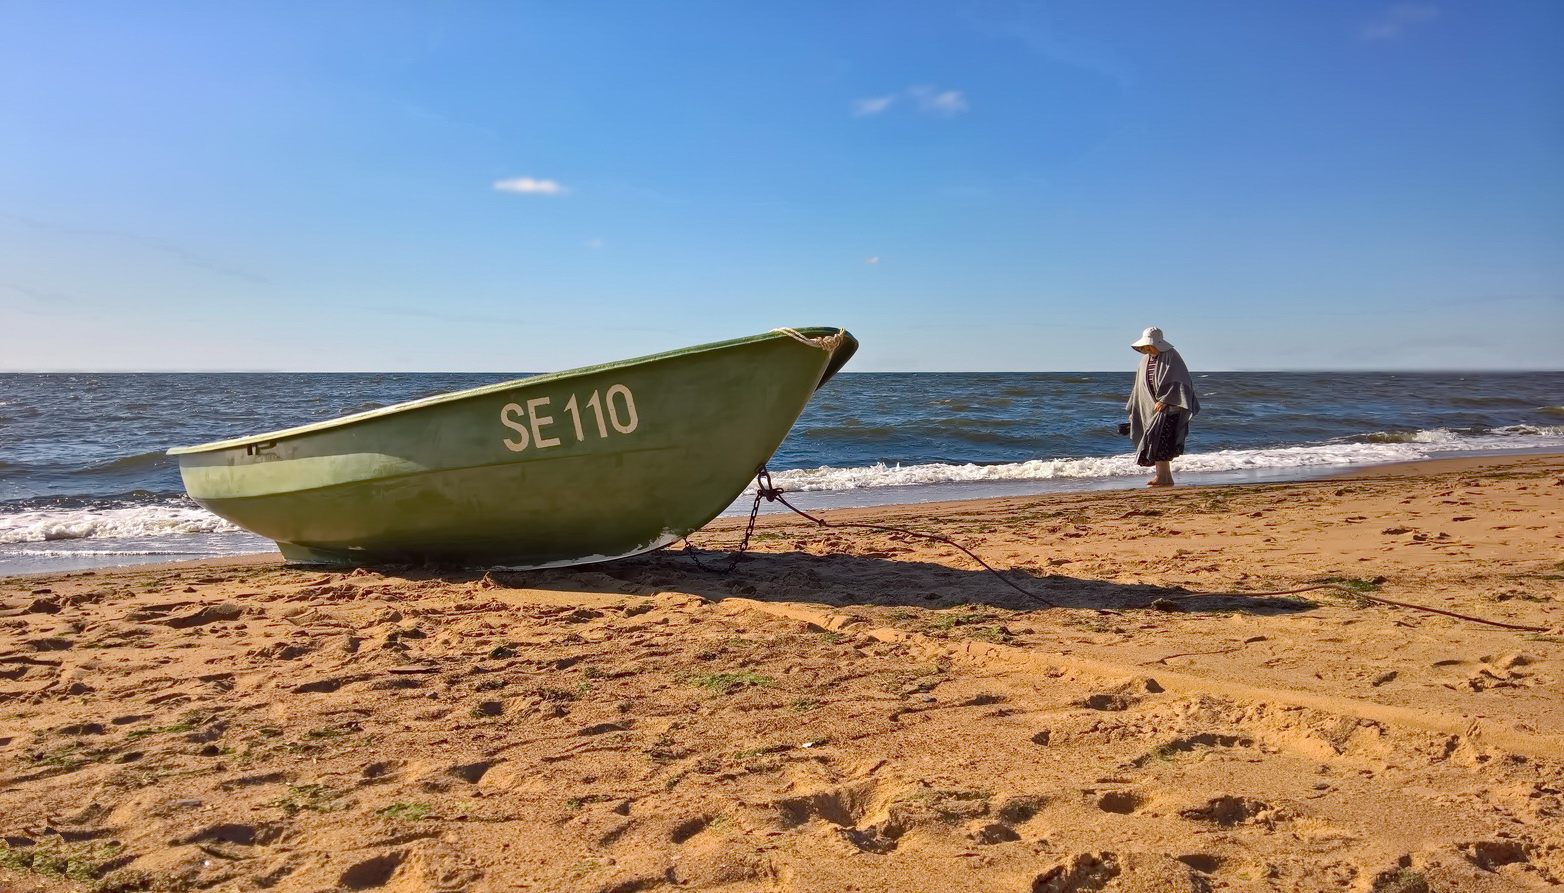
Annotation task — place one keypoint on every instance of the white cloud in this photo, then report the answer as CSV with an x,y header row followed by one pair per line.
x,y
938,102
872,106
530,186
871,261
595,243
928,100
1395,20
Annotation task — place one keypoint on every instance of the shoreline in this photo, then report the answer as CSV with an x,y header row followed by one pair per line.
x,y
725,522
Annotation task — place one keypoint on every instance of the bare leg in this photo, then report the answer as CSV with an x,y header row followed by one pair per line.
x,y
1164,476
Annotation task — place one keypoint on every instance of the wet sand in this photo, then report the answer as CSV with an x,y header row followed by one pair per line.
x,y
847,710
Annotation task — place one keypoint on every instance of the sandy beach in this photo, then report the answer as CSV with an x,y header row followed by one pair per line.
x,y
847,710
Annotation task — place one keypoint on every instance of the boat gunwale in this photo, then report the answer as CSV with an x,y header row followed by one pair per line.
x,y
484,390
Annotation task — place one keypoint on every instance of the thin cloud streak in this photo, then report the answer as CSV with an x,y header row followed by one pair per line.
x,y
530,186
939,102
926,99
186,257
1031,23
1394,22
37,302
37,294
873,105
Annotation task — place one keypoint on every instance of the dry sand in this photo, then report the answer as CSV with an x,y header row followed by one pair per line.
x,y
849,710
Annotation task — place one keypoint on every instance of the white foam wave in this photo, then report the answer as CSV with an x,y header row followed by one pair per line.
x,y
76,553
1532,430
137,521
1421,445
55,525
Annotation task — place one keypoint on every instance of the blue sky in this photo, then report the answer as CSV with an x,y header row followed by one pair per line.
x,y
978,185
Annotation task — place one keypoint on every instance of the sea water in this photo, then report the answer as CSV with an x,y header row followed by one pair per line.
x,y
84,480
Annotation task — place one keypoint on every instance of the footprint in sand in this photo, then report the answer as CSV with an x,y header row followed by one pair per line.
x,y
990,833
1400,880
865,816
471,773
1130,871
233,832
381,772
1490,855
1121,802
1121,697
1205,863
372,872
1189,743
1228,811
1502,671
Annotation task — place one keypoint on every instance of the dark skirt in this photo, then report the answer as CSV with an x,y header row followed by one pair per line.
x,y
1164,438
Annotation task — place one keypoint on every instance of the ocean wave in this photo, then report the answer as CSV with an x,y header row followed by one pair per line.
x,y
1414,446
1487,401
127,499
146,515
76,553
989,407
123,464
1447,436
1436,435
52,525
1532,430
1552,410
1020,433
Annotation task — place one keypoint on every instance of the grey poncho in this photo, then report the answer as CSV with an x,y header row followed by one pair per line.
x,y
1170,384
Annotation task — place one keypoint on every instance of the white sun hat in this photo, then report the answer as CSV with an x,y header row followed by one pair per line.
x,y
1152,337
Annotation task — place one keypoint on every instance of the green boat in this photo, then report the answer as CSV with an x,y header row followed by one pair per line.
x,y
568,468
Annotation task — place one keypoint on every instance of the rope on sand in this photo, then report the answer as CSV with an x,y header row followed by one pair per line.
x,y
765,489
1353,593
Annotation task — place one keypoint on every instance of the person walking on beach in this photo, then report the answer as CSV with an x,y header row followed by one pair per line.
x,y
1160,406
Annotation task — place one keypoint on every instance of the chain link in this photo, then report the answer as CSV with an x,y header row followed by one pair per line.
x,y
763,490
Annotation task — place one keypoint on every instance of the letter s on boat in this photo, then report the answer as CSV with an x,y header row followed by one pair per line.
x,y
516,424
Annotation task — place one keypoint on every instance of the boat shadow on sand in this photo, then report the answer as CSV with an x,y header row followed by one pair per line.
x,y
847,580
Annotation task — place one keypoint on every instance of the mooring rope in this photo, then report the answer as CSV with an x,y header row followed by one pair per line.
x,y
1353,593
766,489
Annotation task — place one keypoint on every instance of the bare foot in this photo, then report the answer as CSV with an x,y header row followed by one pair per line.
x,y
1157,483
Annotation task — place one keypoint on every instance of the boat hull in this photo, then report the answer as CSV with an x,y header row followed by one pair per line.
x,y
561,469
